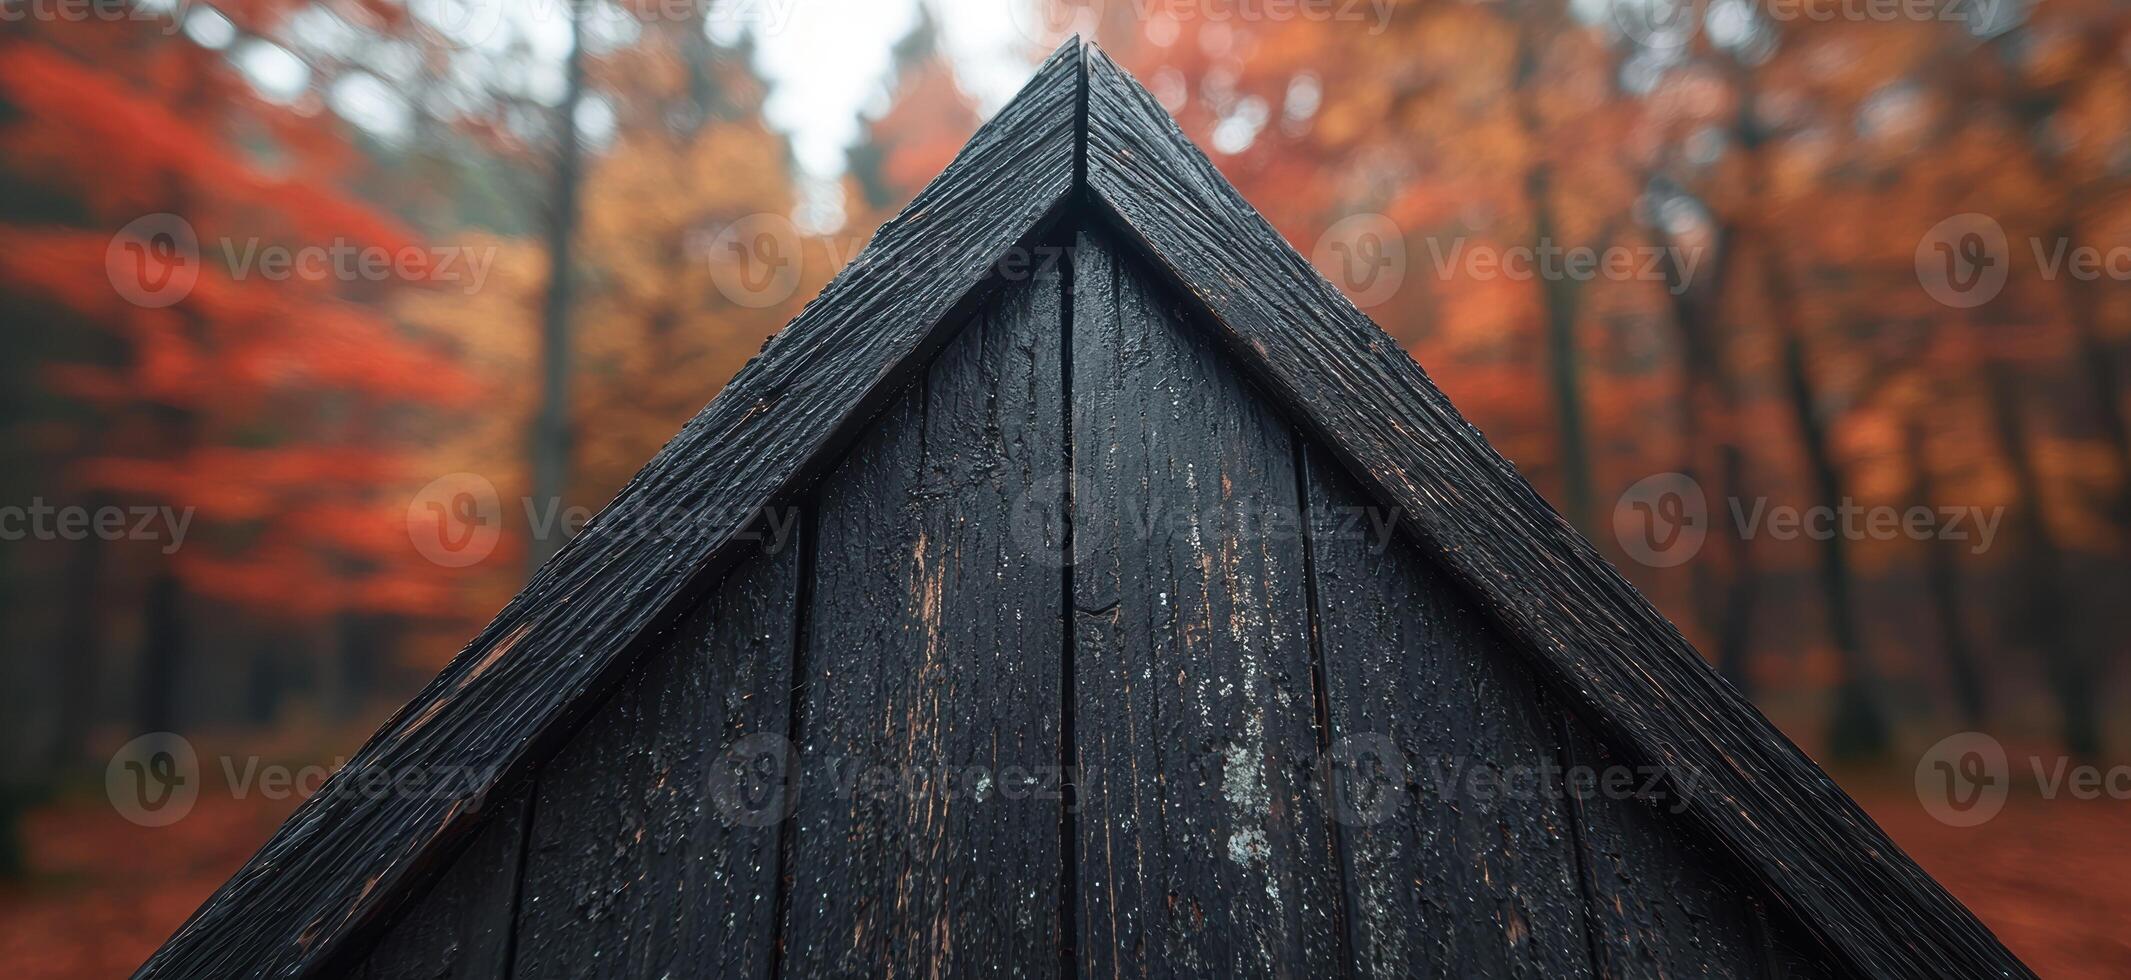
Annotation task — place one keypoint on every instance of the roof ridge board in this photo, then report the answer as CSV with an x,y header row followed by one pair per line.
x,y
1594,637
341,863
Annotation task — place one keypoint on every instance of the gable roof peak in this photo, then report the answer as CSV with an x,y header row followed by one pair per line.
x,y
1082,141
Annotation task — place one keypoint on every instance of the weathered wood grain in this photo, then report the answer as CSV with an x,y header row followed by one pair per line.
x,y
1459,851
339,863
1202,849
650,855
1623,667
461,928
1663,903
927,834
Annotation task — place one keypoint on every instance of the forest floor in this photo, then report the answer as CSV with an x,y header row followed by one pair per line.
x,y
2049,876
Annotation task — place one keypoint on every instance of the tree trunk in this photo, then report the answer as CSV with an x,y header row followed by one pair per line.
x,y
1724,604
1564,367
358,640
2099,360
1557,292
263,681
551,428
80,646
162,654
2035,107
1858,728
1942,579
2046,615
1735,622
163,636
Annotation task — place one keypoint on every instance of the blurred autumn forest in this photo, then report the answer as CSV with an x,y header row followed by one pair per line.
x,y
1781,173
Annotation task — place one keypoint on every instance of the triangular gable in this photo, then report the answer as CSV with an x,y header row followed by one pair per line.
x,y
1081,132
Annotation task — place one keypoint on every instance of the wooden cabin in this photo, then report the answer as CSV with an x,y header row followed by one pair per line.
x,y
1079,586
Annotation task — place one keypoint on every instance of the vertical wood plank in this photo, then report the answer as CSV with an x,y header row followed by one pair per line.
x,y
1460,855
637,865
928,833
1201,847
461,929
1663,903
